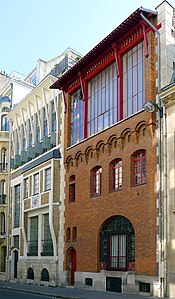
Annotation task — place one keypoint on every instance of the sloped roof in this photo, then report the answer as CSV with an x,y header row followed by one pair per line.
x,y
116,34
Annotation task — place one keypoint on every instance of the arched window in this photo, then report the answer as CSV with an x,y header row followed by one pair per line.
x,y
4,159
68,234
96,181
74,233
72,188
30,273
117,244
139,168
116,175
5,109
44,275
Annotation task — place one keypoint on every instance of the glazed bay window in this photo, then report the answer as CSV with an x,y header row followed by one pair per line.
x,y
76,125
36,184
102,100
133,80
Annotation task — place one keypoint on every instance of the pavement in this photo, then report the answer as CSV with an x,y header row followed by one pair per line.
x,y
66,292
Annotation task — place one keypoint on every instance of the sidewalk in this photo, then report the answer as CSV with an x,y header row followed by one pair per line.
x,y
67,293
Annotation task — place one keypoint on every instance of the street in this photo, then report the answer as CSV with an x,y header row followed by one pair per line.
x,y
11,294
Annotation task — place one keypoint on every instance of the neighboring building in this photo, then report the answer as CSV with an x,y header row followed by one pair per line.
x,y
4,166
168,179
111,197
37,182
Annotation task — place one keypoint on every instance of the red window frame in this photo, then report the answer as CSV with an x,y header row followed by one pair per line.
x,y
96,181
139,168
116,175
72,188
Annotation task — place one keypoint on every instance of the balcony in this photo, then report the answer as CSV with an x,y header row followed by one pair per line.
x,y
47,247
3,199
32,248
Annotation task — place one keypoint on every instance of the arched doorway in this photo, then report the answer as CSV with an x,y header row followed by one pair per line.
x,y
71,264
15,263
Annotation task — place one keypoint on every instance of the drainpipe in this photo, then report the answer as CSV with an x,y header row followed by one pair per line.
x,y
161,291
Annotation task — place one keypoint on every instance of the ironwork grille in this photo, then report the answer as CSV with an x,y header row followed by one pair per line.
x,y
117,244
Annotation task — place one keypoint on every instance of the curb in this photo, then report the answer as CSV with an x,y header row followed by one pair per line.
x,y
39,293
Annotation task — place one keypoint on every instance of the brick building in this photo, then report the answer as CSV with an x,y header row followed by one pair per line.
x,y
110,157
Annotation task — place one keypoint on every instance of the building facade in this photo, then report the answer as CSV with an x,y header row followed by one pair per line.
x,y
111,197
4,178
37,183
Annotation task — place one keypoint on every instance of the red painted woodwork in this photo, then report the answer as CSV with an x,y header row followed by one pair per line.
x,y
73,266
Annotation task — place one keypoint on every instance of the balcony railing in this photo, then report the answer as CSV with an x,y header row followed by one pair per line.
x,y
47,248
3,198
32,248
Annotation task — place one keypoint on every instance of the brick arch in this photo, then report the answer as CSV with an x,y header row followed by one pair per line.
x,y
78,157
111,142
88,153
99,148
69,162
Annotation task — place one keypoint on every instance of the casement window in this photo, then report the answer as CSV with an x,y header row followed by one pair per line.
x,y
45,124
96,181
133,80
36,184
3,230
74,233
16,207
4,123
26,188
47,246
76,125
33,241
37,128
72,188
3,253
68,234
48,179
53,116
23,138
2,192
139,168
116,174
117,244
102,100
4,159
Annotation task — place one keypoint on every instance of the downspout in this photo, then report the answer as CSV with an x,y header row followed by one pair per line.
x,y
161,291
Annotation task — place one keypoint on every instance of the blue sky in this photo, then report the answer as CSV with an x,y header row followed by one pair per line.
x,y
33,29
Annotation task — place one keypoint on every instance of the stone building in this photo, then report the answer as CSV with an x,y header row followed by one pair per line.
x,y
112,228
37,182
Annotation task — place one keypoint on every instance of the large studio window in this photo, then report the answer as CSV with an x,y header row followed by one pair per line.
x,y
133,80
102,100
